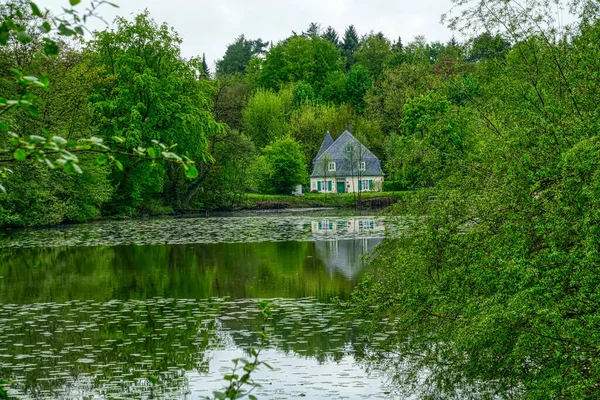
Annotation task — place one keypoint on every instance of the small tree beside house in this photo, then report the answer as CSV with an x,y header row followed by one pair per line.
x,y
284,166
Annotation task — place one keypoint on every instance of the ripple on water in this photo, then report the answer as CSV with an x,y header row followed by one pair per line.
x,y
110,349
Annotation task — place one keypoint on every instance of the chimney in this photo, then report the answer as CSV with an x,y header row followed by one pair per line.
x,y
350,127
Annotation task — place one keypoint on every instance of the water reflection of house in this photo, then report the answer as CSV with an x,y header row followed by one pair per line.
x,y
345,256
351,225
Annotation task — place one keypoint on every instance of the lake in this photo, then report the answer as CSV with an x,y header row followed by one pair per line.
x,y
97,310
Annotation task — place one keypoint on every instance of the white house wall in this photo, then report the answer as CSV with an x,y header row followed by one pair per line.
x,y
351,184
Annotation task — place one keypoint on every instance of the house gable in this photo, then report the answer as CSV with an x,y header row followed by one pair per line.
x,y
327,142
347,162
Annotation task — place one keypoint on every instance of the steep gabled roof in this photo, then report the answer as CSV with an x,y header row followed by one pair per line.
x,y
327,142
337,152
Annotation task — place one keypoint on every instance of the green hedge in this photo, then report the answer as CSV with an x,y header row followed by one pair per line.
x,y
389,186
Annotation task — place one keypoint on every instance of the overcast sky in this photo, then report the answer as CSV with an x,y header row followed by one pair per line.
x,y
208,26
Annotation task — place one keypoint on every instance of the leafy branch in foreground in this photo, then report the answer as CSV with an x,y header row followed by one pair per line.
x,y
25,24
3,394
240,382
55,150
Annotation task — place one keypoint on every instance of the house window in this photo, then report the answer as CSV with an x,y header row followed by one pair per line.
x,y
348,149
325,186
326,225
366,225
366,184
331,166
363,166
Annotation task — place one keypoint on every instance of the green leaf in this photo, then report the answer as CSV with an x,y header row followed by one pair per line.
x,y
63,30
4,35
20,155
252,397
24,37
151,152
2,189
33,111
35,10
219,395
67,166
59,140
37,139
3,127
191,172
50,48
74,2
266,365
45,27
102,159
119,165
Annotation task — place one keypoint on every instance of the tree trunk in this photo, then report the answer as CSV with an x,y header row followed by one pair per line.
x,y
194,187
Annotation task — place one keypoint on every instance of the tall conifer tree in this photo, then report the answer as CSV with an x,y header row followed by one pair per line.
x,y
350,44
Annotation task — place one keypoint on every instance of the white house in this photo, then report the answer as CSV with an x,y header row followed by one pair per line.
x,y
345,166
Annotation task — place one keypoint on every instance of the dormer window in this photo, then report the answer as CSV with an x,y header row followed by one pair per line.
x,y
363,166
331,166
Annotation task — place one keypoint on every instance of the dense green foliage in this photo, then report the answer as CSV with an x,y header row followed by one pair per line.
x,y
494,291
147,94
130,90
238,55
55,121
284,166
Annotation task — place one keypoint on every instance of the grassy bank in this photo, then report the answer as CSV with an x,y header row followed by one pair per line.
x,y
368,200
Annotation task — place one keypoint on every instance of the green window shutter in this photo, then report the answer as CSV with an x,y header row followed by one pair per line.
x,y
370,184
318,186
329,183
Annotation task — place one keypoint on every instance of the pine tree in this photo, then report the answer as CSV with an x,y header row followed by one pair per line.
x,y
350,45
398,46
314,29
332,35
238,55
206,72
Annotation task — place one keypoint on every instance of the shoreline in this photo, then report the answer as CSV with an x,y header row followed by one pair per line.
x,y
372,201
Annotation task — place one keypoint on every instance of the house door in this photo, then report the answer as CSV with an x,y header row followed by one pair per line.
x,y
340,187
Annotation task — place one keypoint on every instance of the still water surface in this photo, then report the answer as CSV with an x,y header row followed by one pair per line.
x,y
91,311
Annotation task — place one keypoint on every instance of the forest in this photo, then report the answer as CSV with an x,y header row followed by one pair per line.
x,y
251,125
492,289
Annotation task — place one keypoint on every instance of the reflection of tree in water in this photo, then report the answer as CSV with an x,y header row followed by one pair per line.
x,y
105,348
239,270
63,335
305,327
